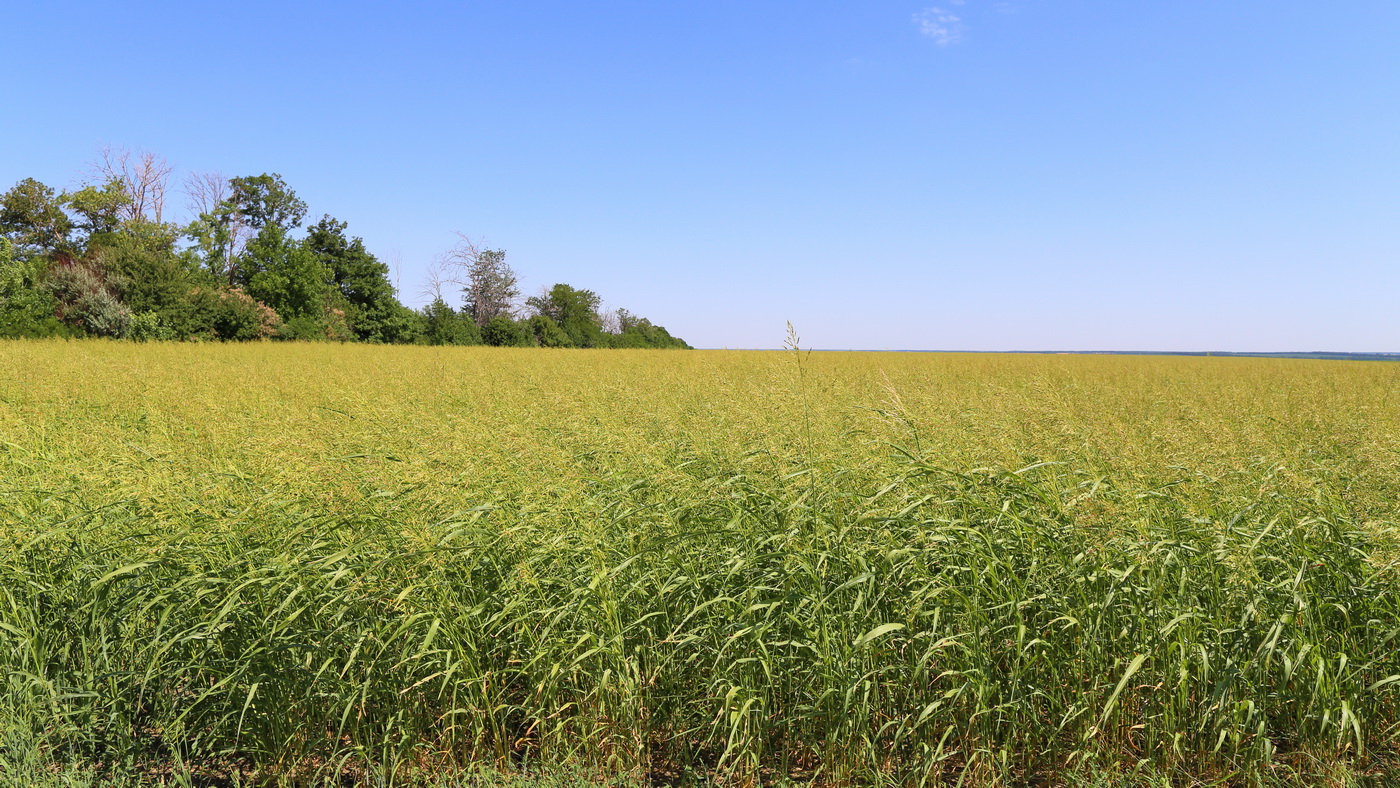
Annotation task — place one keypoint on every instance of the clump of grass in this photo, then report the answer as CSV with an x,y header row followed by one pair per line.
x,y
957,623
200,609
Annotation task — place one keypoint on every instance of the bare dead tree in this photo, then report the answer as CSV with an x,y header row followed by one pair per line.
x,y
226,229
540,304
396,264
144,176
492,290
611,322
152,178
489,285
486,282
204,191
457,262
437,277
450,269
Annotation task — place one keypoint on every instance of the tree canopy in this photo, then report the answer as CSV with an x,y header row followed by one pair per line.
x,y
105,260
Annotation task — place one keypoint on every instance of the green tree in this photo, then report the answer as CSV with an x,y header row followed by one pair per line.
x,y
635,331
359,283
233,212
402,326
288,277
491,284
548,333
264,200
219,236
99,209
443,325
33,218
575,311
26,308
150,277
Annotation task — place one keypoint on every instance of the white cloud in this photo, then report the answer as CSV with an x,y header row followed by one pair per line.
x,y
940,24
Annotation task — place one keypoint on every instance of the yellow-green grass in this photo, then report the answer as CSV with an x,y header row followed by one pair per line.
x,y
385,563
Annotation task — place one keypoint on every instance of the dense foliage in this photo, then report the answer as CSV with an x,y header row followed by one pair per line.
x,y
104,261
356,565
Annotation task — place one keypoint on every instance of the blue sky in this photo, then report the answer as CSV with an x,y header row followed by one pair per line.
x,y
1032,174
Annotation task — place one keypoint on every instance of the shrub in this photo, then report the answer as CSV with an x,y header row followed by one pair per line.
x,y
505,332
547,333
148,327
26,309
87,298
230,313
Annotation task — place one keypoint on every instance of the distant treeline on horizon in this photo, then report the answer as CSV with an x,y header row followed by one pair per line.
x,y
106,261
1316,354
1313,354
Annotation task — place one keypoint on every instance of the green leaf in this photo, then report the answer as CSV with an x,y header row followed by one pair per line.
x,y
126,570
1123,682
883,629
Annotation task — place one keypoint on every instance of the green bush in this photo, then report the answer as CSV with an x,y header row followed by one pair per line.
x,y
548,333
87,298
26,310
148,327
443,325
505,332
230,313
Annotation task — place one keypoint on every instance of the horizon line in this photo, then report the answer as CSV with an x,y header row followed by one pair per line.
x,y
1338,354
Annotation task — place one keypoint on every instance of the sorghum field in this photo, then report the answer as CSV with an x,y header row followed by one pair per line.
x,y
307,564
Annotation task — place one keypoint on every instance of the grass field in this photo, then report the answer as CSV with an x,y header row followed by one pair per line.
x,y
239,563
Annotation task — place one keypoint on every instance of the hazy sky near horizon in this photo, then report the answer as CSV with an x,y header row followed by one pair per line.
x,y
1031,174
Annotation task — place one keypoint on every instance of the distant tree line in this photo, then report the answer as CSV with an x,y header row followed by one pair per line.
x,y
105,261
